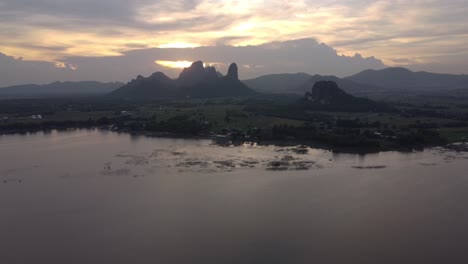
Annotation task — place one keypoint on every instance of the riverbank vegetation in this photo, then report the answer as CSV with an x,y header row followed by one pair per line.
x,y
267,119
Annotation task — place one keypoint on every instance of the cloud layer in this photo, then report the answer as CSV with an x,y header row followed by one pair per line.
x,y
420,34
304,55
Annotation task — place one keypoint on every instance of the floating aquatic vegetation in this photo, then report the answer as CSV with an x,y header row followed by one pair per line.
x,y
133,159
301,150
137,160
191,163
290,163
5,181
118,172
279,165
370,167
458,147
225,163
288,158
107,166
303,165
251,162
428,164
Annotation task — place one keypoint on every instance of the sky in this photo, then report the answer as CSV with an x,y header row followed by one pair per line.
x,y
114,40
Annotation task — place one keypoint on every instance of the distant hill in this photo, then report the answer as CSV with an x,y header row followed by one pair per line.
x,y
327,96
196,81
278,83
59,89
156,85
403,79
373,83
299,83
348,86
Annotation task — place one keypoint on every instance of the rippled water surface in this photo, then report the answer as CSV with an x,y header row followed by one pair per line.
x,y
91,196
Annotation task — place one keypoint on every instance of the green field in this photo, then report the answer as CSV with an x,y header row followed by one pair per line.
x,y
264,119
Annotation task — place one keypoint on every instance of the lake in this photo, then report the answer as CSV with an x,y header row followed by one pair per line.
x,y
92,196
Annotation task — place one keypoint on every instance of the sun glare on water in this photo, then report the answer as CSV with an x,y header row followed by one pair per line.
x,y
174,64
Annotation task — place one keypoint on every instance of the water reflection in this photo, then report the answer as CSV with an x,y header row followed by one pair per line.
x,y
90,196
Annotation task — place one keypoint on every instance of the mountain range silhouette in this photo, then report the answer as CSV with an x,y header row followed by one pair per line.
x,y
196,81
200,81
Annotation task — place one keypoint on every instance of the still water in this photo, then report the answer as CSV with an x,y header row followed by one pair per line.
x,y
90,196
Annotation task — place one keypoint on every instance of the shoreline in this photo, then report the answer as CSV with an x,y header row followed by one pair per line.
x,y
230,141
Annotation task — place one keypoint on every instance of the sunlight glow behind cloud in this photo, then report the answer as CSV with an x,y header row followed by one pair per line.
x,y
424,31
179,45
174,64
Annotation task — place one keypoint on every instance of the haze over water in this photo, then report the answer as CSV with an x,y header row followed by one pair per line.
x,y
90,196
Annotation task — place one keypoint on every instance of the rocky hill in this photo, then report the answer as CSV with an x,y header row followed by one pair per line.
x,y
196,81
327,92
327,96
